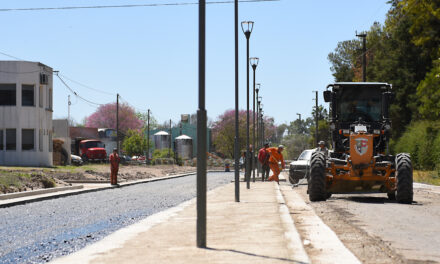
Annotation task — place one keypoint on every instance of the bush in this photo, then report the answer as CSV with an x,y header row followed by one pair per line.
x,y
160,154
422,141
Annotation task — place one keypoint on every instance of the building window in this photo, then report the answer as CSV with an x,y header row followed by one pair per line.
x,y
50,99
1,139
40,140
27,139
7,94
11,139
41,94
50,142
27,95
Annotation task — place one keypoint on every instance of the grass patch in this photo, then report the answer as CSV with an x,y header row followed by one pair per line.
x,y
429,177
8,179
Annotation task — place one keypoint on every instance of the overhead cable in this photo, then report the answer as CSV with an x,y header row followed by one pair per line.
x,y
75,93
128,6
86,86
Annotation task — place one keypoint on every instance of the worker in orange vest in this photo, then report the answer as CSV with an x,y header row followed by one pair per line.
x,y
114,167
275,157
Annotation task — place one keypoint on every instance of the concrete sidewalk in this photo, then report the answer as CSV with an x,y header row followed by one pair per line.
x,y
258,229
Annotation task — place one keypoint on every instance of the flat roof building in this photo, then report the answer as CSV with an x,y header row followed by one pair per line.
x,y
26,106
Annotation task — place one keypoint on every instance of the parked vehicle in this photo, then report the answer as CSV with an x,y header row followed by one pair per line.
x,y
299,169
76,160
90,149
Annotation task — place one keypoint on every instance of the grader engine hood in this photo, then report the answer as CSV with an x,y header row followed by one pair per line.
x,y
361,148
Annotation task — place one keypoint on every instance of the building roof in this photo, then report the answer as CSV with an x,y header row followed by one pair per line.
x,y
183,137
161,133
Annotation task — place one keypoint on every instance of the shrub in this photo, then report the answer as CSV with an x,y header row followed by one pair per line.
x,y
422,141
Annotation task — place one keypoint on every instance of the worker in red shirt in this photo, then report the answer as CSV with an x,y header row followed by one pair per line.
x,y
114,167
275,157
263,158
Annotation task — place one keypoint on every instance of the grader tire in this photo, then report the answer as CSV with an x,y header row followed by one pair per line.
x,y
317,190
404,171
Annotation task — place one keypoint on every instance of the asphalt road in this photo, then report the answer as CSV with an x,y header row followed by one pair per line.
x,y
40,231
378,230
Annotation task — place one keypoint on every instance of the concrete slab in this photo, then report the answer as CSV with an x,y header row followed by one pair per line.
x,y
251,231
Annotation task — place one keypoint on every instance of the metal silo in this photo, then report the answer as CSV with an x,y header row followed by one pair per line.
x,y
184,147
161,140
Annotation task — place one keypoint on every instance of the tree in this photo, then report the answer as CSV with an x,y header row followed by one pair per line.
x,y
135,143
105,117
223,131
144,118
343,59
428,93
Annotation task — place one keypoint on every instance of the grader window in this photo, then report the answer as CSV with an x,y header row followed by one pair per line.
x,y
360,102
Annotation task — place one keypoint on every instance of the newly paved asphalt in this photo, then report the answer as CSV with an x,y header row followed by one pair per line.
x,y
40,231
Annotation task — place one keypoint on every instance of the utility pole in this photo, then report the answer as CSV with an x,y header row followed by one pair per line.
x,y
364,55
201,132
316,118
68,109
148,138
171,138
117,122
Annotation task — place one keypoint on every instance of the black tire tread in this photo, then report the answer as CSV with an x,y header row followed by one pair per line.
x,y
317,185
404,176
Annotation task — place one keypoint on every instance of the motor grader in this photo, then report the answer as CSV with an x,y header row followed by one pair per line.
x,y
360,161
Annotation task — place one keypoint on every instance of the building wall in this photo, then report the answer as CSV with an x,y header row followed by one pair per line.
x,y
19,117
61,131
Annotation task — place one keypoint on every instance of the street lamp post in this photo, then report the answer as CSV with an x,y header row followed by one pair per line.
x,y
254,63
201,132
256,126
236,140
247,27
260,142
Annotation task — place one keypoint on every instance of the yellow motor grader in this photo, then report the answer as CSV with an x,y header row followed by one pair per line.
x,y
360,161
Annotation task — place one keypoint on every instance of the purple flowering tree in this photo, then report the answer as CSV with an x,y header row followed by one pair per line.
x,y
223,131
105,117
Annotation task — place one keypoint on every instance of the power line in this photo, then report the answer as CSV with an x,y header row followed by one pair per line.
x,y
10,56
86,86
76,94
128,6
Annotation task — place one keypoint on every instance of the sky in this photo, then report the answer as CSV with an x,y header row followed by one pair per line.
x,y
149,55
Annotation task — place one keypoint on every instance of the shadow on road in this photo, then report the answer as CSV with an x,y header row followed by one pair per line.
x,y
371,200
255,255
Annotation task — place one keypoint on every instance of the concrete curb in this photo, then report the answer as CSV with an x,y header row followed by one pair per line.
x,y
37,192
73,192
295,243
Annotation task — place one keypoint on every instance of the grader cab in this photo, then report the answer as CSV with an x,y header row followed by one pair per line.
x,y
360,161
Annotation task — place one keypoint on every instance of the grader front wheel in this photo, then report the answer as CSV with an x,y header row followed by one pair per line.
x,y
317,188
404,170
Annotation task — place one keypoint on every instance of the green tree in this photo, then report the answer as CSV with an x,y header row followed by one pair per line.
x,y
428,93
135,143
144,118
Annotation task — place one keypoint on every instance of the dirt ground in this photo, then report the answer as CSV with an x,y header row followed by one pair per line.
x,y
16,179
377,230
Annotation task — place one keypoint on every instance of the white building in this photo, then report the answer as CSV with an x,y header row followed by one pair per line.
x,y
26,108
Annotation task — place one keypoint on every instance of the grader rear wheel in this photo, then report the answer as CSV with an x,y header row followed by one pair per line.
x,y
404,171
317,190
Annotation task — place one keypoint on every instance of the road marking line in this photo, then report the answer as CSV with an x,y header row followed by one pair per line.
x,y
294,240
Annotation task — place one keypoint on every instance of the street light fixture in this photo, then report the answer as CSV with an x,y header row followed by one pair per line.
x,y
254,63
247,27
